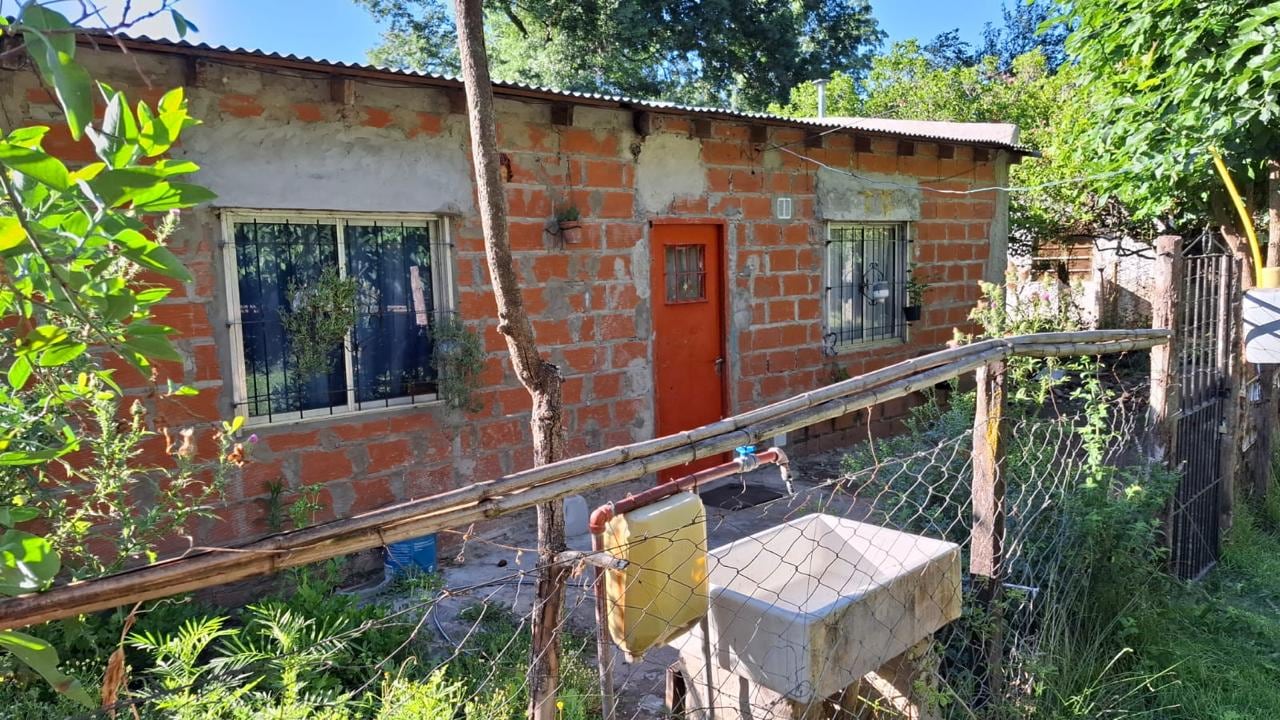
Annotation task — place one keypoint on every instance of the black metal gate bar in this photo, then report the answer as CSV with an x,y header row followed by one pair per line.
x,y
1203,327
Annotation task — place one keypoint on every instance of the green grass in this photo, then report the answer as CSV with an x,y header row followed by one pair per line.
x,y
1222,637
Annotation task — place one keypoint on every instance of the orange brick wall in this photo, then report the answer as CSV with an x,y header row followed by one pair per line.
x,y
589,301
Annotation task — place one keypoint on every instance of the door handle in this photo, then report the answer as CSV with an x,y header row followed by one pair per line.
x,y
719,365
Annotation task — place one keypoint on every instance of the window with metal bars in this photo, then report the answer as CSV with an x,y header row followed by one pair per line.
x,y
400,268
865,282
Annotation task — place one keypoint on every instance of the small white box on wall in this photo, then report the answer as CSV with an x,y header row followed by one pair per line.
x,y
1262,325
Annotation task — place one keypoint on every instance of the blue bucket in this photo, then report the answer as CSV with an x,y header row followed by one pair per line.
x,y
417,555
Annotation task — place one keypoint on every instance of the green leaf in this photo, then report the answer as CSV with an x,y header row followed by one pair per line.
x,y
182,24
19,372
173,101
169,168
27,562
88,172
151,296
14,514
21,458
52,43
41,337
41,657
71,83
35,164
171,196
180,390
40,18
62,354
118,306
117,143
11,233
150,345
120,186
150,254
156,133
29,137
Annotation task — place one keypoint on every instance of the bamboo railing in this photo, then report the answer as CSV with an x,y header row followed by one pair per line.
x,y
521,490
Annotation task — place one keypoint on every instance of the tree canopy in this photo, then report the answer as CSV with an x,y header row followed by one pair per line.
x,y
1027,26
723,52
1167,81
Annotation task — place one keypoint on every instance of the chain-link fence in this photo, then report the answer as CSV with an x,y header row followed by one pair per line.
x,y
837,585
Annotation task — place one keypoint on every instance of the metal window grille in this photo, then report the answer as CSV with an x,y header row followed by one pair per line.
x,y
865,288
387,358
686,273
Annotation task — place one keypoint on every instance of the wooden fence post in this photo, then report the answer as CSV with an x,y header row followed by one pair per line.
x,y
986,547
1230,362
1166,395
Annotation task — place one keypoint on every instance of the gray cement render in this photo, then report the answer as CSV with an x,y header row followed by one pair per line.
x,y
867,197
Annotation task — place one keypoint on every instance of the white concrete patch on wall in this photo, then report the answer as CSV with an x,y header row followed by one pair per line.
x,y
669,166
329,166
867,197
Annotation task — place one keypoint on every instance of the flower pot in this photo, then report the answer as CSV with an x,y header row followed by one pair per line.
x,y
571,231
911,313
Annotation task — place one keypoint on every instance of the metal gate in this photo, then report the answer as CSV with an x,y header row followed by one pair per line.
x,y
1204,332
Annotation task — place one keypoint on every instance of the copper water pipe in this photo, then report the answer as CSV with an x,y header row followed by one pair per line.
x,y
740,464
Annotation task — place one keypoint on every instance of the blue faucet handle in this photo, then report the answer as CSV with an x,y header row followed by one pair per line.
x,y
744,450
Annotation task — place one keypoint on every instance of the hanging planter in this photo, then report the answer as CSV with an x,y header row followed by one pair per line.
x,y
914,309
570,228
319,316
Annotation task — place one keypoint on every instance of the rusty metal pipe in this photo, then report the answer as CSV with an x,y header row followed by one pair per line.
x,y
745,463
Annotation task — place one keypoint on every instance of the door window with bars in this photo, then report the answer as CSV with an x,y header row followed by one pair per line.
x,y
400,274
865,282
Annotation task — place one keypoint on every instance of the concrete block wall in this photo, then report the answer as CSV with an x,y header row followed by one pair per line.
x,y
275,139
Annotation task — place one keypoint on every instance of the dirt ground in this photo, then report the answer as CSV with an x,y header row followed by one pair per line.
x,y
496,567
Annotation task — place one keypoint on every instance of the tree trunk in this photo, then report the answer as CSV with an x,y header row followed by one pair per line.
x,y
539,376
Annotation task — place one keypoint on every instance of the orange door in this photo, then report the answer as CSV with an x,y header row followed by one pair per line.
x,y
688,327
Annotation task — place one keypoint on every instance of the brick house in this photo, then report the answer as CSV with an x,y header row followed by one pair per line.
x,y
728,260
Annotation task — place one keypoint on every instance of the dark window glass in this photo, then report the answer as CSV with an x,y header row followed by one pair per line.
x,y
866,268
272,258
396,310
686,273
390,352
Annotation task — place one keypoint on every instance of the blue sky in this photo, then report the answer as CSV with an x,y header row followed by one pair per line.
x,y
338,30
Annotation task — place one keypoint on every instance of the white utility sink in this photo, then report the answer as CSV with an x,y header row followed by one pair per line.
x,y
808,607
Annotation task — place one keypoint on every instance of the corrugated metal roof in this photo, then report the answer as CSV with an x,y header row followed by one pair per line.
x,y
994,135
1004,134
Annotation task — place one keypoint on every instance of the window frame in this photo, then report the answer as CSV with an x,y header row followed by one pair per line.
x,y
443,293
902,274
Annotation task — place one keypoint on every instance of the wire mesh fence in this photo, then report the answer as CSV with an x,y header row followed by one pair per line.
x,y
841,590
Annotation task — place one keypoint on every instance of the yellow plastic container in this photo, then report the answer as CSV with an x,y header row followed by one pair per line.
x,y
663,591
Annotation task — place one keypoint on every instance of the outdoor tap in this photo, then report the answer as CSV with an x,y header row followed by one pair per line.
x,y
784,467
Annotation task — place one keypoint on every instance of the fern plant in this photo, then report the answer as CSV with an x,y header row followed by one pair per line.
x,y
186,685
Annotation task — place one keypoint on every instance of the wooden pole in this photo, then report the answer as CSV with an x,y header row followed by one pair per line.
x,y
1165,397
539,376
1229,364
1269,404
519,491
986,546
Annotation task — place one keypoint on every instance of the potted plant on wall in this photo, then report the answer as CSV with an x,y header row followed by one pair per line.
x,y
570,228
916,286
